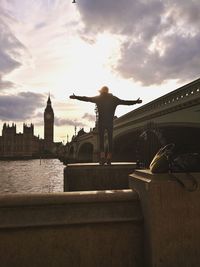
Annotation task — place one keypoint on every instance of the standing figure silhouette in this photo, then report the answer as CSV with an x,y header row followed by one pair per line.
x,y
106,105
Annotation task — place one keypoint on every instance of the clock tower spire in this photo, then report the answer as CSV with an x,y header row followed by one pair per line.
x,y
48,126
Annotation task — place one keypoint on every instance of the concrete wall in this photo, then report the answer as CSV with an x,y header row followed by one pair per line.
x,y
92,176
99,228
171,218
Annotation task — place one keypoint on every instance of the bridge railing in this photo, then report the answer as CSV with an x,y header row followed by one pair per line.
x,y
184,94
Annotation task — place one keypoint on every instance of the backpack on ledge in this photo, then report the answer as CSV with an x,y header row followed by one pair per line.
x,y
166,161
161,161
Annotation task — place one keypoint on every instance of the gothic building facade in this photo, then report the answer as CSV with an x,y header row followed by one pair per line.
x,y
26,144
13,144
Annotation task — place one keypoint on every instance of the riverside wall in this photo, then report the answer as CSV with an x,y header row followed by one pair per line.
x,y
155,223
97,228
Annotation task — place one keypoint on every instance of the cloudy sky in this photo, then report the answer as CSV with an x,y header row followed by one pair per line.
x,y
138,48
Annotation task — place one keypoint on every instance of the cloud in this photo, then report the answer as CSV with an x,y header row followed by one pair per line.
x,y
186,12
119,16
11,49
40,25
21,106
89,117
68,122
36,36
59,122
5,84
7,63
179,61
160,40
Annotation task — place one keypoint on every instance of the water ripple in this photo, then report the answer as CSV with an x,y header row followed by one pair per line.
x,y
31,177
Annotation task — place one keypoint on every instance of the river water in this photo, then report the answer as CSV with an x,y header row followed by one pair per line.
x,y
31,176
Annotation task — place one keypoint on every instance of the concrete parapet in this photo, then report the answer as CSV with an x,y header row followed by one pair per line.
x,y
92,176
171,219
99,228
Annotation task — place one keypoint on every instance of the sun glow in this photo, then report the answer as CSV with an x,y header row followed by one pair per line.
x,y
58,56
86,66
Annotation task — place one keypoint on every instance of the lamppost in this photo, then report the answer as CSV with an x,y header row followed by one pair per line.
x,y
97,116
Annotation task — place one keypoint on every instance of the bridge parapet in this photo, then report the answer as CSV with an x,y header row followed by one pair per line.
x,y
184,96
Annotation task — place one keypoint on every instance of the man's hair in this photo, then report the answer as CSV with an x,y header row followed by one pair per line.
x,y
104,89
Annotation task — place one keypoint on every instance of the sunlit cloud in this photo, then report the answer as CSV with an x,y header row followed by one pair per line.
x,y
171,28
137,48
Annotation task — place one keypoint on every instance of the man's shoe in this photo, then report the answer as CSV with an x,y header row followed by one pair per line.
x,y
102,161
108,161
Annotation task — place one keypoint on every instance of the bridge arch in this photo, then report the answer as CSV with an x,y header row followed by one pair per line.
x,y
142,144
85,152
138,146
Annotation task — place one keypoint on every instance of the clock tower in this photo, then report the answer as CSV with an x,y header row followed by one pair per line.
x,y
48,126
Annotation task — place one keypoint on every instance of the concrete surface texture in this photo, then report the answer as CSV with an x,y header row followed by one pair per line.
x,y
171,219
98,228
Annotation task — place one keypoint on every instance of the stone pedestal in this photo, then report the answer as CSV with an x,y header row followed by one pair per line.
x,y
92,176
171,219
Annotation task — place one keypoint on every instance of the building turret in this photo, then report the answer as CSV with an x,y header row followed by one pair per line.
x,y
28,129
7,129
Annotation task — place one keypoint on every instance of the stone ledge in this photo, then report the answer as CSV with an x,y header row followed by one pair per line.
x,y
96,165
172,179
37,210
147,175
34,199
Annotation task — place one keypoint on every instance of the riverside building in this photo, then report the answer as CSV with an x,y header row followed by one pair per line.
x,y
26,144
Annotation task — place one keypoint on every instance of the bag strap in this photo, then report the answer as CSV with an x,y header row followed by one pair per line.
x,y
194,186
167,149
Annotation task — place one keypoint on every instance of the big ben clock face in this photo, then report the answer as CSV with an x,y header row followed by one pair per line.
x,y
48,116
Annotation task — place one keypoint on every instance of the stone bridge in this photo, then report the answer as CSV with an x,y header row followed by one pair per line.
x,y
172,118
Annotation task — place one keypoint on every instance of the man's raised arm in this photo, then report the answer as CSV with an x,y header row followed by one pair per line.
x,y
83,98
129,102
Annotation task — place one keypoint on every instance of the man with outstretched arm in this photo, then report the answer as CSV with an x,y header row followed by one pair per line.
x,y
106,105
